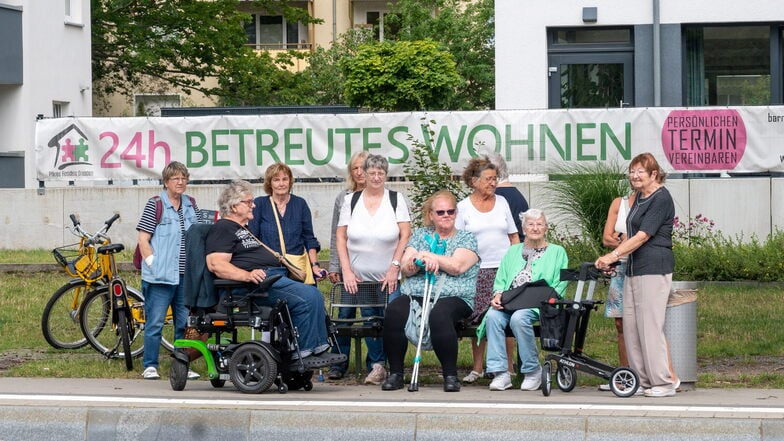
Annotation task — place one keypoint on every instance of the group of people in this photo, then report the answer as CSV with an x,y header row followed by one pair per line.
x,y
492,243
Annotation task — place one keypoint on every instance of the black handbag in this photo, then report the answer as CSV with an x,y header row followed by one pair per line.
x,y
527,295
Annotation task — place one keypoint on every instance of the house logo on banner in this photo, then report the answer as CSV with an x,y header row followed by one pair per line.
x,y
71,150
712,139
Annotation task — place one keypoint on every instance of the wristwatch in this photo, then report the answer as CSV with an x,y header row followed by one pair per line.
x,y
396,263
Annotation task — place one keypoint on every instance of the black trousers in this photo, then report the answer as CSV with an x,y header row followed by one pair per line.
x,y
444,316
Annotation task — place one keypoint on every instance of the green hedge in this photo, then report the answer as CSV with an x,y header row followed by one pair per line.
x,y
717,258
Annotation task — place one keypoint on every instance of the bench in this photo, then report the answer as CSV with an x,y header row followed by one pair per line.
x,y
360,327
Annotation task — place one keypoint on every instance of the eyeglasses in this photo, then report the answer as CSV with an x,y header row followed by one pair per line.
x,y
449,212
640,171
248,202
487,178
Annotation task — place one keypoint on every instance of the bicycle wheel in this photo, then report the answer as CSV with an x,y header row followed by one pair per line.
x,y
107,340
60,319
126,331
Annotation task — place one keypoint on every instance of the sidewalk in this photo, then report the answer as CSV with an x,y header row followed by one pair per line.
x,y
50,409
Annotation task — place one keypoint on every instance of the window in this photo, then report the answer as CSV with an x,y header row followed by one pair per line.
x,y
727,65
73,11
59,109
591,68
271,32
381,27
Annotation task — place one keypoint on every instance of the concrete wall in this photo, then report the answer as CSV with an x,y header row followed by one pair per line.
x,y
747,206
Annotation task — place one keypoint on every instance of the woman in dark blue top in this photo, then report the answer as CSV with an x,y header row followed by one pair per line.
x,y
293,214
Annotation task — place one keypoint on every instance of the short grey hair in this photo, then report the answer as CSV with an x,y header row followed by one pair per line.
x,y
376,161
500,164
533,214
232,195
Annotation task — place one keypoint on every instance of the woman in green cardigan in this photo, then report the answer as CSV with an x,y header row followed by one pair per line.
x,y
532,260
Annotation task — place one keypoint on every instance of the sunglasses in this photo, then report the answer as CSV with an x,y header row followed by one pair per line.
x,y
449,212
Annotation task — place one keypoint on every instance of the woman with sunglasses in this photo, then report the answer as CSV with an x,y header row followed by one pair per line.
x,y
487,216
455,285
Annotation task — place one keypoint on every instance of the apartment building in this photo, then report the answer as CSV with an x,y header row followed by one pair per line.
x,y
620,53
44,72
264,32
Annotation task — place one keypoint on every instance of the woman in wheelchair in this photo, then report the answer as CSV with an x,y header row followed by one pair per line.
x,y
234,253
532,260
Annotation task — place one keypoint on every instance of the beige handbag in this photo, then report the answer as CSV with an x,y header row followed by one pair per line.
x,y
301,261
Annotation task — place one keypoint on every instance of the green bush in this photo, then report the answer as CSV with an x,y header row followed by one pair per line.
x,y
722,258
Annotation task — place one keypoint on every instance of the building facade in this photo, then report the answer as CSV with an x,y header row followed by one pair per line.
x,y
45,71
617,53
265,32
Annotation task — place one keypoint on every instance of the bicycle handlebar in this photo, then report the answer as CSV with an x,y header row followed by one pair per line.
x,y
99,236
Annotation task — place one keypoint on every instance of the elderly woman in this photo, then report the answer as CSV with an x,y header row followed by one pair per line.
x,y
373,230
355,180
649,267
533,260
162,227
456,271
282,214
490,219
234,253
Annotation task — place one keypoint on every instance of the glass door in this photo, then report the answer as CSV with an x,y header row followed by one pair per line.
x,y
591,80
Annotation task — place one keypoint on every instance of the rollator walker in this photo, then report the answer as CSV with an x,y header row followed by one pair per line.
x,y
564,325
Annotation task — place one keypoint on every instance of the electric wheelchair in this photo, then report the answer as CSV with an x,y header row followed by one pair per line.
x,y
219,332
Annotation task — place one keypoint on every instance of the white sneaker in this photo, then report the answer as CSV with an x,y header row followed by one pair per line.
x,y
150,373
605,387
501,381
472,377
533,380
658,392
377,375
193,375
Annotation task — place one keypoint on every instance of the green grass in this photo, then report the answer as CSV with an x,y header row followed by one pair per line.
x,y
736,324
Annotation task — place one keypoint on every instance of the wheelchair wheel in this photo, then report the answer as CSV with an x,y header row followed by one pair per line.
x,y
252,369
178,374
547,379
217,383
624,382
566,377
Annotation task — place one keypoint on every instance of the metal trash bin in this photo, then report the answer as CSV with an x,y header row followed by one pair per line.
x,y
680,328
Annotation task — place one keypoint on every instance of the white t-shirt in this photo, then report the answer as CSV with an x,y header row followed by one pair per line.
x,y
372,240
492,229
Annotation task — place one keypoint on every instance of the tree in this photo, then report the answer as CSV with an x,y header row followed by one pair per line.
x,y
400,76
427,174
465,29
324,76
179,42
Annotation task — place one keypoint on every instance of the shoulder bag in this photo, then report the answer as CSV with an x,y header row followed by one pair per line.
x,y
301,261
295,273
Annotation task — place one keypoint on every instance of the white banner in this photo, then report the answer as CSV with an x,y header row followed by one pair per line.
x,y
737,139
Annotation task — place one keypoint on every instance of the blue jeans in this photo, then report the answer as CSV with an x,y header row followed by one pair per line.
x,y
375,346
306,305
522,324
157,299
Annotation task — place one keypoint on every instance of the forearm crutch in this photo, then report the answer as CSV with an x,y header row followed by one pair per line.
x,y
429,279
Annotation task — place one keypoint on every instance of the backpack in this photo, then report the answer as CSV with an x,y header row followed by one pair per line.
x,y
137,253
392,200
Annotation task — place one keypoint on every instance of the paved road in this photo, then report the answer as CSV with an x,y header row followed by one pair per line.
x,y
51,409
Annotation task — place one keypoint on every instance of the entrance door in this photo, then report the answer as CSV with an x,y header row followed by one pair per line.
x,y
591,80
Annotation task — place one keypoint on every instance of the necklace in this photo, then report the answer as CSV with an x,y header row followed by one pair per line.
x,y
282,205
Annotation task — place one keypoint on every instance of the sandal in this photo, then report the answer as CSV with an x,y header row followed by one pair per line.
x,y
473,376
